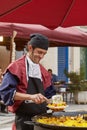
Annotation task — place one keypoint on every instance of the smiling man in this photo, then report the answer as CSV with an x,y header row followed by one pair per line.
x,y
25,81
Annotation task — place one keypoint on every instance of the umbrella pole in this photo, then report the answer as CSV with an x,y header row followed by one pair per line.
x,y
12,47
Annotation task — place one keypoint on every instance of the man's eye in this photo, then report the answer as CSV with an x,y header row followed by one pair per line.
x,y
40,52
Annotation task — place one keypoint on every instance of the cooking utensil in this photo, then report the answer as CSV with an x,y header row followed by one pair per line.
x,y
30,101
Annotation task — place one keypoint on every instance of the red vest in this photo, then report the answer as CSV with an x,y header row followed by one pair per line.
x,y
18,68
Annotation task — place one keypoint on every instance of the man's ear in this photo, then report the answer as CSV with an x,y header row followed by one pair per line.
x,y
29,48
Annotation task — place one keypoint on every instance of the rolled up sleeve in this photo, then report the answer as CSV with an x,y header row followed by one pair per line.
x,y
8,88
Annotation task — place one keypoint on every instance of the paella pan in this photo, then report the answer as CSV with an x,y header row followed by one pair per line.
x,y
55,120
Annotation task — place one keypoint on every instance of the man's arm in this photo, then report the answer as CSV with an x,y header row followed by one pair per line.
x,y
36,98
9,94
8,88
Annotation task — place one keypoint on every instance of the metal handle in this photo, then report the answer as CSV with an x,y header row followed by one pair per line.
x,y
29,122
28,101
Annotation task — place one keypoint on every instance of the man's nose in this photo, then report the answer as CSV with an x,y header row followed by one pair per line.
x,y
41,55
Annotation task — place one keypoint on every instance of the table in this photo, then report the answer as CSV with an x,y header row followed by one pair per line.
x,y
64,91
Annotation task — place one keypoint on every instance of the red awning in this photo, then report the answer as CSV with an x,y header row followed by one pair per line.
x,y
64,36
50,13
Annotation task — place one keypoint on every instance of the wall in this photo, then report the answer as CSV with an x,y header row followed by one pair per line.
x,y
4,57
50,60
74,59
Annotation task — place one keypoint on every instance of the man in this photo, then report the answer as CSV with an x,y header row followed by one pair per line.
x,y
1,75
25,81
54,78
2,106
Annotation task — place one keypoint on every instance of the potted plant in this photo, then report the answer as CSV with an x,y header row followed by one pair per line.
x,y
78,86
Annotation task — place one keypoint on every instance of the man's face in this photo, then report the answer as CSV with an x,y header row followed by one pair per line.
x,y
50,72
36,54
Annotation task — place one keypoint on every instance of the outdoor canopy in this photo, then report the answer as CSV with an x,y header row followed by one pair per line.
x,y
49,13
70,36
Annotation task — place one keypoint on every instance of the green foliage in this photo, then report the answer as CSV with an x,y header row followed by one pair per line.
x,y
77,81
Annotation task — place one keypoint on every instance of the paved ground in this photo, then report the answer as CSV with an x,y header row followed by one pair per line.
x,y
76,107
6,120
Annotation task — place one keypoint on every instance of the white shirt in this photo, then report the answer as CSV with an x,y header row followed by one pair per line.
x,y
34,69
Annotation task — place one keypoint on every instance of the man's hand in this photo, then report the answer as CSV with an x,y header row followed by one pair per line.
x,y
38,98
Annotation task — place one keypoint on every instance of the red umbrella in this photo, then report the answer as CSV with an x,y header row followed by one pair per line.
x,y
50,13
